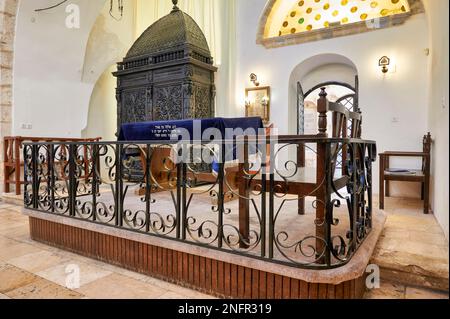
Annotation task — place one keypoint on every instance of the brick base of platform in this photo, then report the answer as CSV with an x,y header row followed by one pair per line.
x,y
211,276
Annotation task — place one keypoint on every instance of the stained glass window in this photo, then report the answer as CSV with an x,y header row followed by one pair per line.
x,y
309,15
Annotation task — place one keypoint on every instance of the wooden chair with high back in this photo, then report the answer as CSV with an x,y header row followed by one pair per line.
x,y
340,119
310,181
387,174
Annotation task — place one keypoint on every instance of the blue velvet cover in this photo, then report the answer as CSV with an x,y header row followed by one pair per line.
x,y
161,130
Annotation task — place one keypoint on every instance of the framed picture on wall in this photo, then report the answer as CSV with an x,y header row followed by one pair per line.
x,y
257,103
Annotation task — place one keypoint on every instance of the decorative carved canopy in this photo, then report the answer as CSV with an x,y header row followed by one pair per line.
x,y
174,31
168,73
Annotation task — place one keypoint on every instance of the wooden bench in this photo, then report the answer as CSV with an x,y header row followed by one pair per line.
x,y
422,176
13,157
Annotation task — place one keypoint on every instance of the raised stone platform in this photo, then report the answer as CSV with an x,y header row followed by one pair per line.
x,y
412,249
210,271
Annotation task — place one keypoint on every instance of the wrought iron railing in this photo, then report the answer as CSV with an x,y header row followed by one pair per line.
x,y
283,201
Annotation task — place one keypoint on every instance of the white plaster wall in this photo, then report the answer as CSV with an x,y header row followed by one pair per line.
x,y
439,107
109,41
401,95
102,116
49,93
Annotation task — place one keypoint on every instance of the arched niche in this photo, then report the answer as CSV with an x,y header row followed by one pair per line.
x,y
109,40
285,22
102,115
320,70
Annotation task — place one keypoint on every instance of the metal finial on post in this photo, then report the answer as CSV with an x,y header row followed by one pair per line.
x,y
175,7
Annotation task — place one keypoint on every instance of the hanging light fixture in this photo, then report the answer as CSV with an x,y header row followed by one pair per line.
x,y
117,17
51,7
119,9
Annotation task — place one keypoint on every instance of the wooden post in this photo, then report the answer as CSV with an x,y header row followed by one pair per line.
x,y
426,187
322,109
381,195
344,147
17,165
387,165
5,166
427,172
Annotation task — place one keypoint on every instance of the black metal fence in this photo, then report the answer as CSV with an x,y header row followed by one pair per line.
x,y
284,200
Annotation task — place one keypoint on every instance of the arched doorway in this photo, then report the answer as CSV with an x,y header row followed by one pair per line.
x,y
339,92
338,75
335,72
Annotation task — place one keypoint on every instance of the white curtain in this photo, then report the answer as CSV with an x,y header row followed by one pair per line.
x,y
217,19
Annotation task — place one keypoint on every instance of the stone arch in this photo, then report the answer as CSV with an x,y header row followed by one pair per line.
x,y
277,9
325,67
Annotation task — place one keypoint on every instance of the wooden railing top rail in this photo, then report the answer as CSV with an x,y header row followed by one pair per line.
x,y
51,139
12,155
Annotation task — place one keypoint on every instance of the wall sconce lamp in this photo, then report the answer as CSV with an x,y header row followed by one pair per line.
x,y
384,63
264,101
254,79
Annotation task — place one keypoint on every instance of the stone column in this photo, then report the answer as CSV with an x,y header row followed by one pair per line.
x,y
8,10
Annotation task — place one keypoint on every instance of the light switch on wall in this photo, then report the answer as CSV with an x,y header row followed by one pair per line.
x,y
26,126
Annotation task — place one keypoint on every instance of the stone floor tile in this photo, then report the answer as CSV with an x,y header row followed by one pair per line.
x,y
436,229
172,295
43,289
39,261
387,291
419,293
12,249
403,261
7,225
198,295
428,238
59,273
418,248
6,242
12,278
116,286
126,273
16,232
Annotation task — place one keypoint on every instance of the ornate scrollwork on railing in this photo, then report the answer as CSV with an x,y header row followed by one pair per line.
x,y
304,249
159,175
28,173
200,194
201,231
